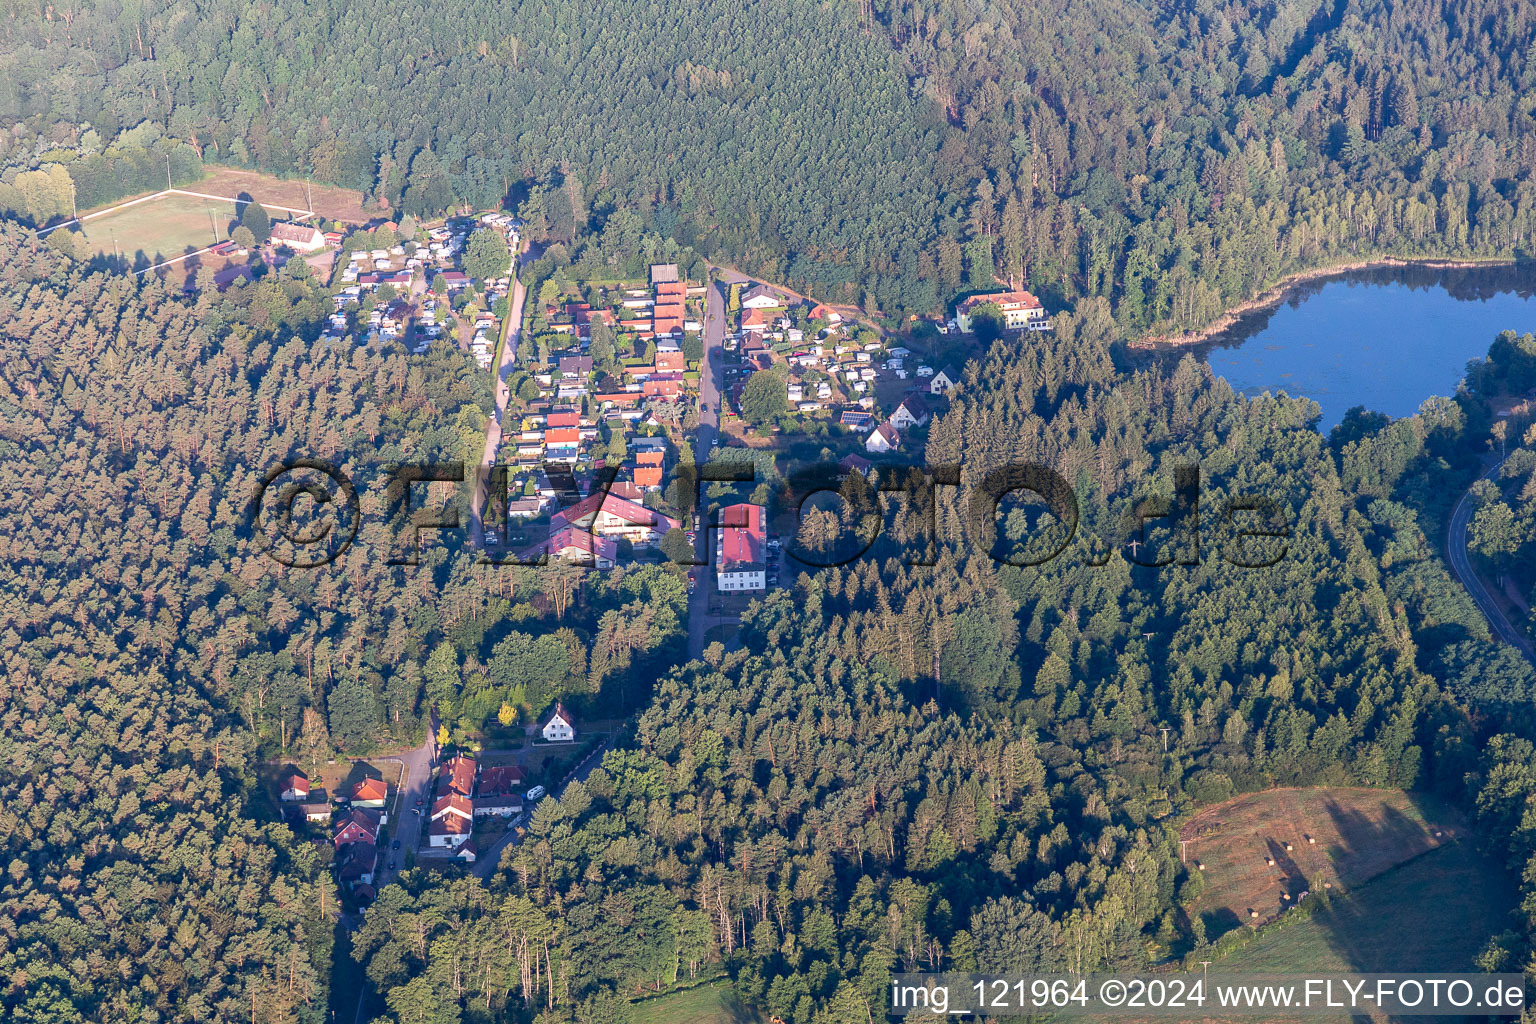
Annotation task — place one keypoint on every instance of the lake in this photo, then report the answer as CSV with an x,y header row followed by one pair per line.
x,y
1386,339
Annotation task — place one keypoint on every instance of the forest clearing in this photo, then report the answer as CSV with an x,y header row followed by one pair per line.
x,y
329,201
1258,853
1395,922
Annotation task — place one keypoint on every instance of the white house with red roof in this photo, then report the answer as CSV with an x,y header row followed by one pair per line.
x,y
453,821
294,787
884,439
741,545
369,793
560,728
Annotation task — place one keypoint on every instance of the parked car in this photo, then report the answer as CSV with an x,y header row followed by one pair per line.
x,y
391,865
536,793
396,845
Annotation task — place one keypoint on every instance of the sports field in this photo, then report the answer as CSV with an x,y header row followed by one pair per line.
x,y
160,229
1261,851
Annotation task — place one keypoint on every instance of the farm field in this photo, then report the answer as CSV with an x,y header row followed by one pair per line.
x,y
160,228
706,1004
1396,922
1261,851
330,202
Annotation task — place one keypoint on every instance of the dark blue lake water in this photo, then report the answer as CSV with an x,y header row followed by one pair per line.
x,y
1385,339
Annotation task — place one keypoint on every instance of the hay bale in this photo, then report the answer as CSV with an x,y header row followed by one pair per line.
x,y
1270,861
1287,847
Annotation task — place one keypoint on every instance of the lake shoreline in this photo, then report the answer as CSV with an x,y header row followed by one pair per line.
x,y
1274,296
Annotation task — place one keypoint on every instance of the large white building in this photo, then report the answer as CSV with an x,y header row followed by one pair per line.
x,y
1020,310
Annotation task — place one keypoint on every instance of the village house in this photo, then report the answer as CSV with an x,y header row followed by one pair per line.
x,y
356,826
457,776
753,322
356,867
740,548
912,412
500,791
294,787
369,793
302,237
884,439
614,518
560,728
575,546
944,381
452,821
760,296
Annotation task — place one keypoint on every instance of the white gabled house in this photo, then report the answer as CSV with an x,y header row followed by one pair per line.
x,y
560,728
884,439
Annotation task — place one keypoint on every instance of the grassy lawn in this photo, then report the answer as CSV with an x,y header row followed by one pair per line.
x,y
706,1004
1260,851
160,229
1434,913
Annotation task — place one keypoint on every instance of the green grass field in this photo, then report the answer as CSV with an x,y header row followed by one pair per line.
x,y
1434,913
160,229
706,1004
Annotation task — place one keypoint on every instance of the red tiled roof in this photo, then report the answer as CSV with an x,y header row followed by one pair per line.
x,y
450,825
503,780
1003,299
458,776
570,537
453,803
370,789
648,476
741,536
649,458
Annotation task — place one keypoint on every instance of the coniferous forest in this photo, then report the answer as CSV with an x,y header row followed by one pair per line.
x,y
962,765
1173,158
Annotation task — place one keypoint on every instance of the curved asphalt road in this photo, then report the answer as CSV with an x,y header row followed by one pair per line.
x,y
1461,565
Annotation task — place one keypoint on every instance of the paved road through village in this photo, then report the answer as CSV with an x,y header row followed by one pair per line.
x,y
512,328
1461,565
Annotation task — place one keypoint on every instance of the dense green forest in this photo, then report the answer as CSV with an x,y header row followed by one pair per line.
x,y
901,767
1173,158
